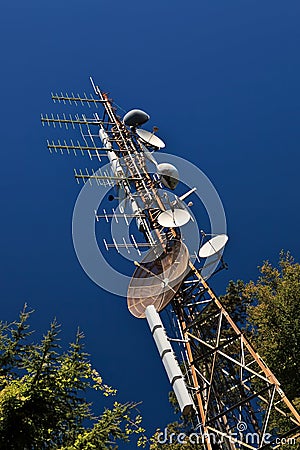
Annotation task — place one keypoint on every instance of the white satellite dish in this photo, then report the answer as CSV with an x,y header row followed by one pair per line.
x,y
173,218
213,246
150,138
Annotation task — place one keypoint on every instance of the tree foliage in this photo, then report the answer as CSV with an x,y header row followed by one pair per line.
x,y
271,322
268,312
273,317
43,395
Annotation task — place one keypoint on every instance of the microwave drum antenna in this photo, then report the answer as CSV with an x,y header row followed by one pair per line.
x,y
135,118
169,175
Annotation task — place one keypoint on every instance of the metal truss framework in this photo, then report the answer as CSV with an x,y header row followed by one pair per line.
x,y
239,400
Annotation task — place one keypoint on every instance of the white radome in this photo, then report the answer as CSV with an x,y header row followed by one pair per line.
x,y
169,175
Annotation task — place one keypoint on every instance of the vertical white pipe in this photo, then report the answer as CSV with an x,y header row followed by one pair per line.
x,y
169,361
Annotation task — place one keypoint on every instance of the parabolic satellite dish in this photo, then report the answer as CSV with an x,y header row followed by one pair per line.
x,y
157,279
213,246
150,138
173,218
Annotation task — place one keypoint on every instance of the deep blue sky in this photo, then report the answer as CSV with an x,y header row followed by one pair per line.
x,y
220,79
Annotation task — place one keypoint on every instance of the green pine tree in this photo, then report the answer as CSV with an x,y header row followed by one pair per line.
x,y
43,395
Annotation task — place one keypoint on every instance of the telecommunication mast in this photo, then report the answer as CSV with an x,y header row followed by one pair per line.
x,y
223,387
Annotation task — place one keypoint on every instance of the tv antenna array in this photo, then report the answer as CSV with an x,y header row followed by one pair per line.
x,y
221,381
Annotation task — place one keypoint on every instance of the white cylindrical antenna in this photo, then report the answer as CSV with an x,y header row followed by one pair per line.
x,y
137,212
169,361
113,158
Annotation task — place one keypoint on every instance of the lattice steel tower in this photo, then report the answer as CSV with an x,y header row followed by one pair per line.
x,y
220,381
